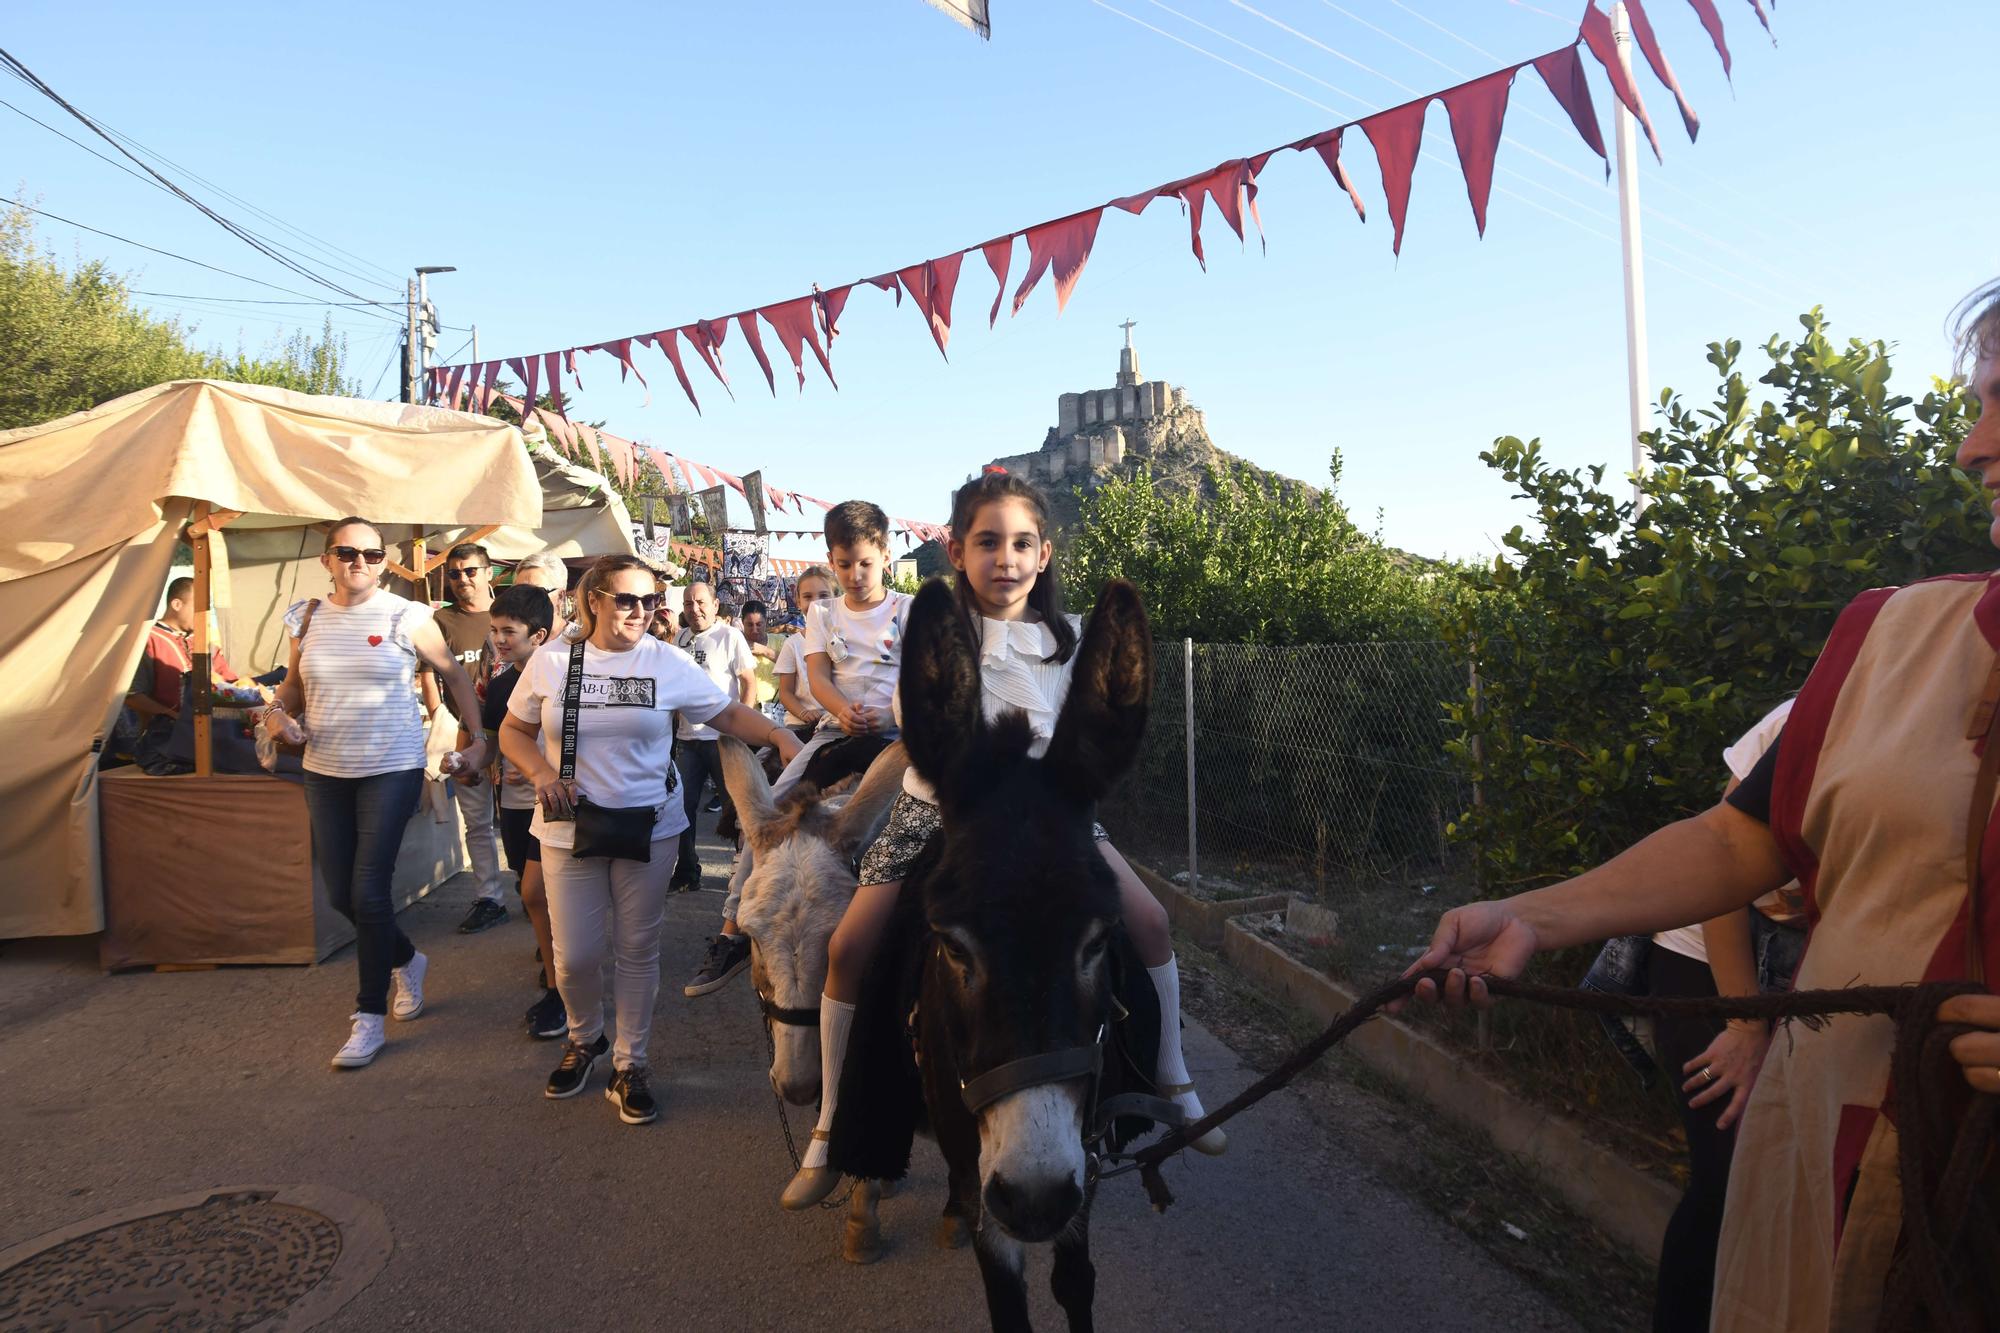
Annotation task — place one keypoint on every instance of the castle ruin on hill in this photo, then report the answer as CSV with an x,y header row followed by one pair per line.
x,y
1108,429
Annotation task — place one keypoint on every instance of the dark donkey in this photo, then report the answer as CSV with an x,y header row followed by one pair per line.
x,y
1007,941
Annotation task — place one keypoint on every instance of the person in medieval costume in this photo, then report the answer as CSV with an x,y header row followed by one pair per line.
x,y
1870,798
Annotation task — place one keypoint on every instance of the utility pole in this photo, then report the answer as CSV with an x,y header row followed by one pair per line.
x,y
410,342
1639,392
422,330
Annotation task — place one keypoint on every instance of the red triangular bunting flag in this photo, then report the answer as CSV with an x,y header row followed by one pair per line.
x,y
1477,110
670,346
1229,185
530,371
621,457
999,255
1764,19
747,321
887,282
1712,22
1327,145
698,338
1598,37
1062,246
1562,73
622,349
454,386
663,462
1642,32
794,322
552,370
1136,203
588,434
831,304
1398,135
930,285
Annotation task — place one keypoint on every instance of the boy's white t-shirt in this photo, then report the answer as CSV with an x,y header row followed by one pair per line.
x,y
1741,758
865,647
721,652
624,731
792,662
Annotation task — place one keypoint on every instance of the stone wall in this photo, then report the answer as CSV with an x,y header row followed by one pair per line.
x,y
1076,412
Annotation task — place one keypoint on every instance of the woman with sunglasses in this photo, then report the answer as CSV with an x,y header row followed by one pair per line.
x,y
632,685
354,659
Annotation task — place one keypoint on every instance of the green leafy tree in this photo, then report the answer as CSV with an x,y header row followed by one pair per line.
x,y
70,338
1255,564
1620,649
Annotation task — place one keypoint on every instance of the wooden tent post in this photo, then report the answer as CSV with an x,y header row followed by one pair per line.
x,y
421,565
204,692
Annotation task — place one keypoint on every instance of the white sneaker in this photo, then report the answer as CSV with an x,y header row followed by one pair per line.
x,y
362,1043
410,987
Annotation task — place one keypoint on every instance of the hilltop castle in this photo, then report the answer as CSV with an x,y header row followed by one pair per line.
x,y
1108,428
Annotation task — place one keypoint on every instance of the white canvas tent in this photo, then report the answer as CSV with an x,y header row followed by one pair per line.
x,y
91,508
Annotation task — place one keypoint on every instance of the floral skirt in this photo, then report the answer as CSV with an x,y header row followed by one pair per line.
x,y
912,820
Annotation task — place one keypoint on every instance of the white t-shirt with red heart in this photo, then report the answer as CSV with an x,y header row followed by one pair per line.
x,y
363,716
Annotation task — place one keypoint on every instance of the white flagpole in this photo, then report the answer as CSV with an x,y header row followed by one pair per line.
x,y
1639,393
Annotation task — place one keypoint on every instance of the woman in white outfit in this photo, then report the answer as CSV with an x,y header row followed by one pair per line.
x,y
629,685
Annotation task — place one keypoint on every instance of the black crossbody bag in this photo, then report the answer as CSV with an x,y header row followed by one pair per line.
x,y
602,831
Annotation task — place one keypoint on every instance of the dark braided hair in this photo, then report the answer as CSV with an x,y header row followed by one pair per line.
x,y
1045,598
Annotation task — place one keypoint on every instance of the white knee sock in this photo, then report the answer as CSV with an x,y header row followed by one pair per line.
x,y
835,1020
1172,1065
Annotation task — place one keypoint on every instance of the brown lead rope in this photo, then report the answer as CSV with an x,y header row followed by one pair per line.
x,y
1944,1276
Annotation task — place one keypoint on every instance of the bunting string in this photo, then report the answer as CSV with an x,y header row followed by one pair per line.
x,y
1059,249
627,459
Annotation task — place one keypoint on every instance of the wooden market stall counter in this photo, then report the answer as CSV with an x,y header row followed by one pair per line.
x,y
218,869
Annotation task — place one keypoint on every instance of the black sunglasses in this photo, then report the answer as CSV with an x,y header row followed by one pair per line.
x,y
628,602
347,555
465,571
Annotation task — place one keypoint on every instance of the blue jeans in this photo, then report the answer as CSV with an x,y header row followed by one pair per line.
x,y
357,827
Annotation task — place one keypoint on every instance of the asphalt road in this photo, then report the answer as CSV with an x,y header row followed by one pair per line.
x,y
511,1211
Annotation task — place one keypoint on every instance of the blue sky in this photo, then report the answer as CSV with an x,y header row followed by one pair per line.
x,y
595,171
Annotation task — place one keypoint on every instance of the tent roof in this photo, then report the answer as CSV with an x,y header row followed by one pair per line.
x,y
87,482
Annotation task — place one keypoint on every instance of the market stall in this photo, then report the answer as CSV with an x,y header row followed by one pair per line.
x,y
92,508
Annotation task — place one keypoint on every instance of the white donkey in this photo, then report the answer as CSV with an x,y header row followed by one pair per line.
x,y
803,854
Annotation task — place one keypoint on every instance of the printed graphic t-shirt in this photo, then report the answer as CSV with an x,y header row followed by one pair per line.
x,y
624,731
721,652
865,647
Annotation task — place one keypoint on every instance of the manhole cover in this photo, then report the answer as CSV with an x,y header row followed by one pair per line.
x,y
226,1259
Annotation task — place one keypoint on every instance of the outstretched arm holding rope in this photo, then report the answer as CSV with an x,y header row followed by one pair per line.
x,y
1693,870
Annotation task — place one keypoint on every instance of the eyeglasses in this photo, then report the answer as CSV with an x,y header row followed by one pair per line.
x,y
466,571
347,555
628,602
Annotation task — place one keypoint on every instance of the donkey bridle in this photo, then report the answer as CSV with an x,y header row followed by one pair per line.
x,y
777,1013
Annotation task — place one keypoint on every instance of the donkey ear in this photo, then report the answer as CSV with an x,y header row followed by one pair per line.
x,y
750,791
939,689
868,808
1103,720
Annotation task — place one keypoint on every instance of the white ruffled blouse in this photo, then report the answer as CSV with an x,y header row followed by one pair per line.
x,y
1014,676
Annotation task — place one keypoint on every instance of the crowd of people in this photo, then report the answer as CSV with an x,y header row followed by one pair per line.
x,y
581,733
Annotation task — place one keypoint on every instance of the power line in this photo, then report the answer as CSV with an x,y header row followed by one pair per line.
x,y
11,62
229,273
250,300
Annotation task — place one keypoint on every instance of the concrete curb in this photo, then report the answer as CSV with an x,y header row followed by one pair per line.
x,y
1624,1201
1197,918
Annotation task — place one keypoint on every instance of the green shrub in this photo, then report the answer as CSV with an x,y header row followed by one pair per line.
x,y
1620,652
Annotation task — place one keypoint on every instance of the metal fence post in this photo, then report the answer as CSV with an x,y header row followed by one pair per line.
x,y
1187,732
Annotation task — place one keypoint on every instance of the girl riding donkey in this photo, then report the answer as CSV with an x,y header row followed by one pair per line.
x,y
1010,600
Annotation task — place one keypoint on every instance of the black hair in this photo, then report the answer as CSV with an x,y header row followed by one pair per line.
x,y
1045,598
467,550
178,590
527,604
853,522
753,607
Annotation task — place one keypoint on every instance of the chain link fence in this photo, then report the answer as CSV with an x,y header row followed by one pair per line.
x,y
1311,768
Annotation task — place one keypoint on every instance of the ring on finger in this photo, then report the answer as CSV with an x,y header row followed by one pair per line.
x,y
1708,1073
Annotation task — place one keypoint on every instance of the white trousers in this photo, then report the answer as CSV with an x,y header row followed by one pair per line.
x,y
482,842
597,903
